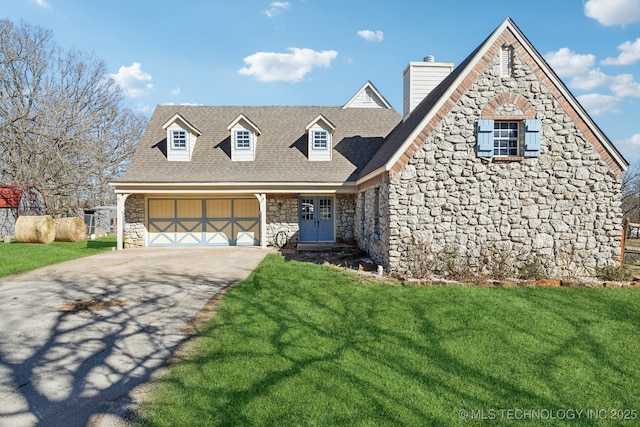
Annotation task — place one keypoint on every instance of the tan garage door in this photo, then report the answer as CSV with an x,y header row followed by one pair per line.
x,y
199,222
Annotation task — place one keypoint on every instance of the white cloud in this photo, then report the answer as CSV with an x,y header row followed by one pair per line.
x,y
597,104
176,91
623,85
568,64
143,108
133,81
630,148
276,8
613,12
42,3
287,67
589,80
629,53
371,36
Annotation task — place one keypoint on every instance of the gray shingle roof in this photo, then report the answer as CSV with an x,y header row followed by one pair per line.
x,y
281,154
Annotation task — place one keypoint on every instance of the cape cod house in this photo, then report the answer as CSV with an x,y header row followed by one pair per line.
x,y
494,153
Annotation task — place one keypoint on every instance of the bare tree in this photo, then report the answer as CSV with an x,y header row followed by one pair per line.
x,y
631,193
62,124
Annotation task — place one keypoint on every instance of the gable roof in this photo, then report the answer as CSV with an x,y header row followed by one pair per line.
x,y
280,158
242,117
320,118
176,117
442,98
378,99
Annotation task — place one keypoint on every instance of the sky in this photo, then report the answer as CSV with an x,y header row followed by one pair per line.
x,y
321,52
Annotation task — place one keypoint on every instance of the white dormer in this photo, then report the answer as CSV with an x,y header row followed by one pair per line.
x,y
181,138
367,97
320,133
244,137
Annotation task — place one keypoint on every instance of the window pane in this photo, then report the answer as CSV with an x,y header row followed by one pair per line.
x,y
243,139
320,138
179,139
306,209
325,209
505,138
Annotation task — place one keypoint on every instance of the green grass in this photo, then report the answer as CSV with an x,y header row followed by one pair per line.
x,y
303,344
19,257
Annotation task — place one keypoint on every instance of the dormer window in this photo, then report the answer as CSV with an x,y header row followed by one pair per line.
x,y
181,138
320,132
244,137
243,140
320,138
178,139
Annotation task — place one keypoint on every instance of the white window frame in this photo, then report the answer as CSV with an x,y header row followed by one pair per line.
x,y
242,142
179,139
506,138
320,140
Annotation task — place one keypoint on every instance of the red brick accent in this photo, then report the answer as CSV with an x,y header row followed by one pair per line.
x,y
506,37
488,112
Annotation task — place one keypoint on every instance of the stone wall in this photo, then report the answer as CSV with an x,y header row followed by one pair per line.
x,y
345,213
562,207
377,244
282,215
134,230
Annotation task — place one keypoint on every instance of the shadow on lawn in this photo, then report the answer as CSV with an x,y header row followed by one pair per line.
x,y
397,373
60,365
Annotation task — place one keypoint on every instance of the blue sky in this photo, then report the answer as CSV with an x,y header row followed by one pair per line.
x,y
320,52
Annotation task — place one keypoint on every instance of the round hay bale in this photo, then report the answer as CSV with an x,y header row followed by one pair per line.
x,y
70,229
35,229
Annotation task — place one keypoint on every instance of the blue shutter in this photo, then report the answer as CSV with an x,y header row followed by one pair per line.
x,y
532,129
485,138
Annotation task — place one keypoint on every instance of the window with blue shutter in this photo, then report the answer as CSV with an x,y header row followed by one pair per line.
x,y
484,147
532,130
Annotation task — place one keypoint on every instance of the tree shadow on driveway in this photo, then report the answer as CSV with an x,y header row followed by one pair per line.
x,y
68,347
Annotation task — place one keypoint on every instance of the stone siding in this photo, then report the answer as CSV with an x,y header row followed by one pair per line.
x,y
345,212
377,245
562,207
282,215
134,230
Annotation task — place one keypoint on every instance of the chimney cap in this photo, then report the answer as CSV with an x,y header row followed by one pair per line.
x,y
429,58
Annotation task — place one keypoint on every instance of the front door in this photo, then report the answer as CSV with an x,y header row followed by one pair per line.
x,y
316,219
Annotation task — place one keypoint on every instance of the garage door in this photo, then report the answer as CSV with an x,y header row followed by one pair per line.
x,y
202,222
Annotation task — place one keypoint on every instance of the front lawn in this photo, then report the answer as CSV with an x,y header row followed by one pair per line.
x,y
19,257
305,344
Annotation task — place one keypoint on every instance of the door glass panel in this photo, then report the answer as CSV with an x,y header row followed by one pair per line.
x,y
325,209
306,206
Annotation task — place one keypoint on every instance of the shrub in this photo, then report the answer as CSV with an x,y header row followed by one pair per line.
x,y
532,269
614,273
454,265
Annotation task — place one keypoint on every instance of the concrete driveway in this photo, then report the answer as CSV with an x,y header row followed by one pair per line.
x,y
77,336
